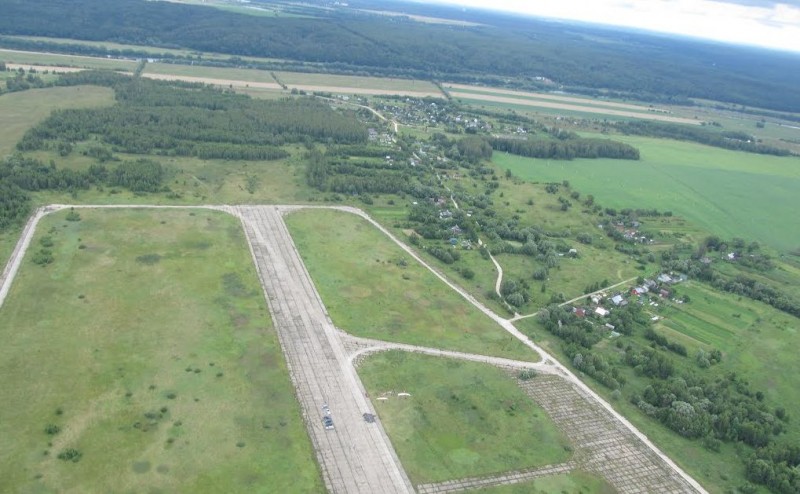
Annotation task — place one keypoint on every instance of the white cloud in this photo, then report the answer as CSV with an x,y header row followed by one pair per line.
x,y
771,24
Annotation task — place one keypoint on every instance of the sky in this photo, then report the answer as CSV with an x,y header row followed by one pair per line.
x,y
765,23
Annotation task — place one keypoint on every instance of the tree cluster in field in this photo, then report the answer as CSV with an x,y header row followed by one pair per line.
x,y
652,68
153,117
23,82
694,264
737,141
357,176
777,467
20,175
566,149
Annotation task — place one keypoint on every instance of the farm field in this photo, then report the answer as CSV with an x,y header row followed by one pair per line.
x,y
146,347
575,482
725,192
513,99
371,287
221,73
462,419
302,79
53,59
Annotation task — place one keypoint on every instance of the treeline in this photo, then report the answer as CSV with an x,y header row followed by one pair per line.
x,y
737,141
20,175
567,149
153,117
360,176
633,64
777,467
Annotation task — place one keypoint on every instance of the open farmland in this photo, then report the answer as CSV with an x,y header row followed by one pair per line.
x,y
370,286
726,192
356,84
477,95
57,60
190,394
462,419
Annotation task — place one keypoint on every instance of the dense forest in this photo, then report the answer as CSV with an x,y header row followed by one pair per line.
x,y
153,117
646,67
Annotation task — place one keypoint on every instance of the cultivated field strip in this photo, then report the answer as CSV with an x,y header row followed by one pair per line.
x,y
356,456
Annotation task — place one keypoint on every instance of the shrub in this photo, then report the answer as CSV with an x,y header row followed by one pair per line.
x,y
70,454
52,429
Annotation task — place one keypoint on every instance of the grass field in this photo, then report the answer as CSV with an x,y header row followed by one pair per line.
x,y
726,192
309,79
21,111
147,342
223,73
575,482
372,288
463,419
756,340
34,58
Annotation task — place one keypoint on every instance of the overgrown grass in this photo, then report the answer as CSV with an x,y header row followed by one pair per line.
x,y
372,288
165,375
463,419
575,482
726,192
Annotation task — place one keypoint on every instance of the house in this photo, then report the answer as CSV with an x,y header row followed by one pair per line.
x,y
639,290
617,299
664,278
579,312
664,293
456,230
601,312
650,284
611,326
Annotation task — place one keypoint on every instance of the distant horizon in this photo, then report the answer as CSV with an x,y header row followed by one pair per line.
x,y
769,24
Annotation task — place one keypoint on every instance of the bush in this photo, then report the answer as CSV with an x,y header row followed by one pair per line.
x,y
52,429
70,454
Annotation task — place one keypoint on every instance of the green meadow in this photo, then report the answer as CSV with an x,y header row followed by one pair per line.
x,y
372,288
144,355
726,192
462,419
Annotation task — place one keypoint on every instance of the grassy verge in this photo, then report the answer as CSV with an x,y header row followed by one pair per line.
x,y
147,344
373,289
462,419
576,482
